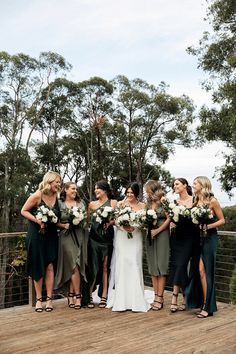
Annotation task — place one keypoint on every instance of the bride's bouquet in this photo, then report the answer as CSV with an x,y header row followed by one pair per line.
x,y
126,217
46,215
201,215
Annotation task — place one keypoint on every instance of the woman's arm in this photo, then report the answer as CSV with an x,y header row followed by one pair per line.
x,y
216,208
31,202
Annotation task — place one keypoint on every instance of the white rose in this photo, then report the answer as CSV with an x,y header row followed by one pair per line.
x,y
39,216
104,214
44,218
76,221
54,219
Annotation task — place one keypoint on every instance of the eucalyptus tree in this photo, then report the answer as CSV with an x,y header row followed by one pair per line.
x,y
92,115
150,122
22,81
216,56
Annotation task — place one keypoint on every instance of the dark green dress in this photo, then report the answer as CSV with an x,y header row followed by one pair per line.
x,y
72,248
41,247
208,248
100,245
158,249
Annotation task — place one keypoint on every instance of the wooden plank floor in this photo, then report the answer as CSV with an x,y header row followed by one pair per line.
x,y
69,331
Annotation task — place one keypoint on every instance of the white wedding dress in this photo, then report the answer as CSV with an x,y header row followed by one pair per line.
x,y
126,287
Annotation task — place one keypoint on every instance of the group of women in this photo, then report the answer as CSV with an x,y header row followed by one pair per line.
x,y
103,257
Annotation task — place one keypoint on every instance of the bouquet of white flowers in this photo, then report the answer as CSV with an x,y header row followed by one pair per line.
x,y
46,215
77,215
104,215
127,217
175,211
148,218
201,215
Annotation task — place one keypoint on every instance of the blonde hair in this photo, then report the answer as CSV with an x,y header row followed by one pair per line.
x,y
206,190
48,178
156,190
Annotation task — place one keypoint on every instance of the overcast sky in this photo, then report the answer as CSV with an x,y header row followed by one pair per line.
x,y
144,39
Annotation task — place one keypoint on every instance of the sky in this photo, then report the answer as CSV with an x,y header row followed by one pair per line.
x,y
144,39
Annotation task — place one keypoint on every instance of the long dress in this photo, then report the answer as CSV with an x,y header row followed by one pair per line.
x,y
158,249
194,296
129,285
72,248
42,247
185,250
100,245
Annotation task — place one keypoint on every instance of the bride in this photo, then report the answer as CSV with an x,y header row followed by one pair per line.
x,y
128,272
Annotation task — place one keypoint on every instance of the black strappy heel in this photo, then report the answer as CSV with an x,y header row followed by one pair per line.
x,y
174,306
48,308
70,296
78,307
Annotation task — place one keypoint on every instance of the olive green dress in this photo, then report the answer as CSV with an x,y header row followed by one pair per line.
x,y
72,248
100,245
158,249
42,247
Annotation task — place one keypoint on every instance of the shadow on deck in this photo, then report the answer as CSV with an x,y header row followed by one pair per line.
x,y
69,331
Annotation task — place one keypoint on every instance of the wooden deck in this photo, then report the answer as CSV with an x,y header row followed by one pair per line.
x,y
102,331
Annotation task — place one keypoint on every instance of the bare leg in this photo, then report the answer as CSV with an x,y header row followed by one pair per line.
x,y
159,286
75,281
103,301
49,281
38,290
202,272
174,304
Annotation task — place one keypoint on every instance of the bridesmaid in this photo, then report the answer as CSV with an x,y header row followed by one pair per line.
x,y
42,246
72,251
204,196
184,244
100,245
159,249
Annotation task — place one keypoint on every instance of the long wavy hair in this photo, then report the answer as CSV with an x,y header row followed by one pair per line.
x,y
48,178
206,190
65,187
155,188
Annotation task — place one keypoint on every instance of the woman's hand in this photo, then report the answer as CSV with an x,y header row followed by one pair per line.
x,y
129,228
66,226
154,232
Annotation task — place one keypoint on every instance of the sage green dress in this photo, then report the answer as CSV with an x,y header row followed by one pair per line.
x,y
41,246
72,248
100,245
158,249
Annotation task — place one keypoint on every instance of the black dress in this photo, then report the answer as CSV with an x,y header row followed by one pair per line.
x,y
184,254
100,245
42,248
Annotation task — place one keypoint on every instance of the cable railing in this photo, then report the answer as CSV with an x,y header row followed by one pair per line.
x,y
16,287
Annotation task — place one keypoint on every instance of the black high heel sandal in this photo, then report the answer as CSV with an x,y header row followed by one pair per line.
x,y
78,307
48,308
103,302
157,308
91,303
202,315
174,306
39,309
182,307
70,296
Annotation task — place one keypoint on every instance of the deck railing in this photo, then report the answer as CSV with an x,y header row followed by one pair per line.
x,y
16,288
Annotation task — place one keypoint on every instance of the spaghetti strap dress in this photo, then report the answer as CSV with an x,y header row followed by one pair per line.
x,y
42,247
72,248
100,245
158,249
184,250
208,247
